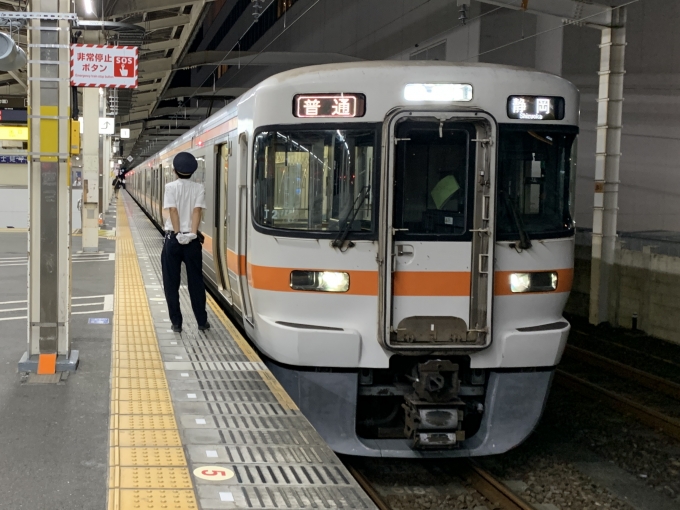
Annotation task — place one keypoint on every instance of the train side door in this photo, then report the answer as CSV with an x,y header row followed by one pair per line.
x,y
222,153
161,191
437,232
243,225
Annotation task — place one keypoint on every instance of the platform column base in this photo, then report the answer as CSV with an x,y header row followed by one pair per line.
x,y
64,363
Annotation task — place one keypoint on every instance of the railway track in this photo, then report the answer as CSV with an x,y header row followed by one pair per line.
x,y
624,371
642,413
478,479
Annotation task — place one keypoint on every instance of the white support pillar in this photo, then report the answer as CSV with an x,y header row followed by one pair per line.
x,y
49,239
90,155
608,154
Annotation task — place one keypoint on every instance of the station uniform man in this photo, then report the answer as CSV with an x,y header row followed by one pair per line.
x,y
183,205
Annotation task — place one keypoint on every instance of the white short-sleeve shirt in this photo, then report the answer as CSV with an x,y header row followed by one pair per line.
x,y
185,195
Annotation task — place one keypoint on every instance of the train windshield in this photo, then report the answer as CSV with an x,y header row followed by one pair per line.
x,y
315,180
536,170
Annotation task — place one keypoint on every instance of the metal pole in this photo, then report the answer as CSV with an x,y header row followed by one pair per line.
x,y
49,239
608,154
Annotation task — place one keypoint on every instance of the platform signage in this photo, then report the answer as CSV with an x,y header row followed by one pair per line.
x,y
536,108
12,116
13,102
107,125
13,160
214,473
329,105
14,133
94,65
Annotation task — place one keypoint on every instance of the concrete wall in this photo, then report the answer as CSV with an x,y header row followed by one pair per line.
x,y
644,283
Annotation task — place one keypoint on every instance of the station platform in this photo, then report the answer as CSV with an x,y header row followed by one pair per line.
x,y
192,420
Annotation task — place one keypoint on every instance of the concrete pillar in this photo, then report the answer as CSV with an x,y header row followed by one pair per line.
x,y
90,155
549,44
608,154
49,239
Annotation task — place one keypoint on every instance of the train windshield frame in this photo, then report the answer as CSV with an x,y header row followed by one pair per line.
x,y
314,180
536,177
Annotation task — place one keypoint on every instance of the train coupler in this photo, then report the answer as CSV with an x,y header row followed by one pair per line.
x,y
434,413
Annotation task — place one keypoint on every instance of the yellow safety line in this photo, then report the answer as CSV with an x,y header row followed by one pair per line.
x,y
274,385
147,466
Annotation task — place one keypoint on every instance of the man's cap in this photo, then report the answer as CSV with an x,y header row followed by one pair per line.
x,y
185,164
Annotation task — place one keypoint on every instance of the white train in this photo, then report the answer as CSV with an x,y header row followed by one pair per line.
x,y
396,239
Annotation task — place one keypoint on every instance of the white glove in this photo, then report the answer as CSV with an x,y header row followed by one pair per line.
x,y
185,238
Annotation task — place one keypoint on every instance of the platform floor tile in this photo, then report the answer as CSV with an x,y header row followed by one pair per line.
x,y
244,440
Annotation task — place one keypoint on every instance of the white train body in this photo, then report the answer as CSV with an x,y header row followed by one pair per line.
x,y
366,218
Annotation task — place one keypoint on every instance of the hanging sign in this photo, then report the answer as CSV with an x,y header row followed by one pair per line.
x,y
95,65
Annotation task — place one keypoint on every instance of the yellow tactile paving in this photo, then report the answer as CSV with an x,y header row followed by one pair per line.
x,y
159,499
145,437
152,477
147,466
146,421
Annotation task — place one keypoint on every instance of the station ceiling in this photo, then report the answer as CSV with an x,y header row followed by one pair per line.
x,y
164,106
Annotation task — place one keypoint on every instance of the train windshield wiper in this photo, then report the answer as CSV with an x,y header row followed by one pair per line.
x,y
524,241
348,221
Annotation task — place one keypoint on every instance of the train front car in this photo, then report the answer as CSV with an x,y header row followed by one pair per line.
x,y
411,249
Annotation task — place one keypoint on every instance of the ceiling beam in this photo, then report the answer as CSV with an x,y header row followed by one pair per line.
x,y
161,45
171,21
573,10
127,7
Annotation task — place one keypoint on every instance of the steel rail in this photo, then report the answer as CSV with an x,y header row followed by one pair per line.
x,y
479,479
493,489
643,414
626,348
368,488
624,371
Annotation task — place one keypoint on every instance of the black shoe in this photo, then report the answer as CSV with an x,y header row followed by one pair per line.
x,y
205,327
176,329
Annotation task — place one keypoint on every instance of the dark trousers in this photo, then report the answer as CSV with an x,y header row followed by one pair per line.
x,y
172,256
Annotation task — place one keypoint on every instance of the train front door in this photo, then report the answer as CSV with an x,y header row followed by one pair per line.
x,y
437,231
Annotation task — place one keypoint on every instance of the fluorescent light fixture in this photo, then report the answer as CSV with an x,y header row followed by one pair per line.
x,y
438,92
533,282
324,281
89,9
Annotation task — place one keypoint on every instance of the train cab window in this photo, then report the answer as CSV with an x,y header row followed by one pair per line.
x,y
315,180
536,169
432,166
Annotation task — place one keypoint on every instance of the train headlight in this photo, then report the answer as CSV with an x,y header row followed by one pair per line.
x,y
324,281
438,92
533,282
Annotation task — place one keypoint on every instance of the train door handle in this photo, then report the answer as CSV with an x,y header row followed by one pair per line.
x,y
405,250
